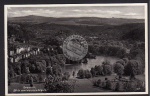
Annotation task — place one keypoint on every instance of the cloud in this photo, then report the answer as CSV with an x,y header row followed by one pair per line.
x,y
39,12
96,11
131,14
27,11
76,10
113,12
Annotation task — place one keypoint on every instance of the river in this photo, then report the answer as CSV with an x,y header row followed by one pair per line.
x,y
91,63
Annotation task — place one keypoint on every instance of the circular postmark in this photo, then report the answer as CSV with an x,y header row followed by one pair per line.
x,y
75,47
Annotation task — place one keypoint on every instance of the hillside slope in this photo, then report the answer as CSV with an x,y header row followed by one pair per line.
x,y
74,21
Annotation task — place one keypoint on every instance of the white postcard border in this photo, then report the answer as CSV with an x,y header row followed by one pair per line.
x,y
71,5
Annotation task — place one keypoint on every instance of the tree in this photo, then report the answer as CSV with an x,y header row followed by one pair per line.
x,y
93,72
32,68
40,67
27,78
107,67
97,83
15,29
54,85
57,70
108,84
106,62
125,60
24,65
31,81
23,68
141,61
28,34
49,71
121,52
119,69
119,86
23,78
121,61
81,73
43,63
99,70
18,69
73,74
11,72
66,76
40,77
87,74
132,68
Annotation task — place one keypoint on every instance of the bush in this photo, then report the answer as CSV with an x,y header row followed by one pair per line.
x,y
40,78
130,87
55,85
119,86
105,84
125,60
87,74
119,69
93,72
133,68
66,76
49,70
84,74
35,78
23,79
11,72
27,78
122,62
81,74
57,70
97,83
134,86
104,69
98,70
108,84
63,87
107,69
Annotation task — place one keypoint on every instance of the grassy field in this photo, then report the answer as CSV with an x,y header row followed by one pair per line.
x,y
86,85
82,85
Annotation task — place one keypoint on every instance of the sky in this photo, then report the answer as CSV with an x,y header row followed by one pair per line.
x,y
136,12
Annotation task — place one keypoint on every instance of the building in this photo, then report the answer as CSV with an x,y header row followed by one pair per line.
x,y
19,52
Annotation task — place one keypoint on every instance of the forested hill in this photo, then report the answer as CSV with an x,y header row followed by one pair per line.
x,y
75,20
104,28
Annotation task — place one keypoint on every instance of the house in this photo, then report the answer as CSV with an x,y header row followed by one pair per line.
x,y
19,52
15,58
23,48
11,59
36,51
11,52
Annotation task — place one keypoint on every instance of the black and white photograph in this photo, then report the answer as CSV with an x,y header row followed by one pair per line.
x,y
84,49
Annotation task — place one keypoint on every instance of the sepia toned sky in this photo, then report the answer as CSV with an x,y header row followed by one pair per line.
x,y
136,12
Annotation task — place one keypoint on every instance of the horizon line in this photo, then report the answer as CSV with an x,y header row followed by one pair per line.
x,y
76,17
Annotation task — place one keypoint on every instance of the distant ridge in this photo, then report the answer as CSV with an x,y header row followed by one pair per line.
x,y
74,20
